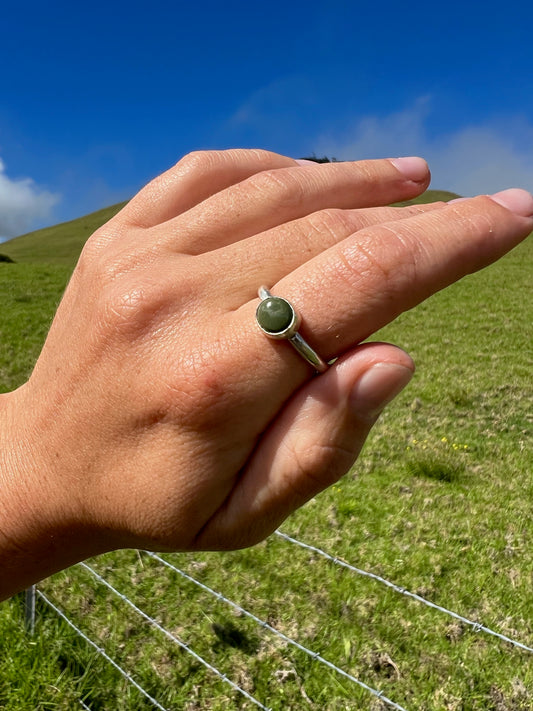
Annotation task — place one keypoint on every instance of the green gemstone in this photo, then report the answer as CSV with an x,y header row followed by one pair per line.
x,y
274,315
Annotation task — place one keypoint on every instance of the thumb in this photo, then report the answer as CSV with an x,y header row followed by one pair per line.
x,y
311,444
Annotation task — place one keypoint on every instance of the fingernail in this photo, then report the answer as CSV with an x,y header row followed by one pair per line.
x,y
377,387
515,199
461,199
412,168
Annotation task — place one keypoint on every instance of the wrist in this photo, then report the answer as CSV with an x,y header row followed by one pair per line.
x,y
39,532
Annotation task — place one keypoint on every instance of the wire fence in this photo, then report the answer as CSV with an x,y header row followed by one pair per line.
x,y
316,657
476,626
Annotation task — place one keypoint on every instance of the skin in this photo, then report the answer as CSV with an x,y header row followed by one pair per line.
x,y
159,416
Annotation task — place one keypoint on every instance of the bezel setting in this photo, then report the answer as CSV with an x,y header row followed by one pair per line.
x,y
287,331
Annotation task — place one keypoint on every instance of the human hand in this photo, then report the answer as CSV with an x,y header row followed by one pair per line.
x,y
161,417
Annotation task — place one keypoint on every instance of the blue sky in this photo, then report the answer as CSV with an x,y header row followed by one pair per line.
x,y
95,99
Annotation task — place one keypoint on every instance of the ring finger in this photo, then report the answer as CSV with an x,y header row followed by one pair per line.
x,y
357,286
368,279
282,249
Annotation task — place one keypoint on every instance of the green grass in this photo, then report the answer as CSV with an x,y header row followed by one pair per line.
x,y
59,244
440,502
29,294
431,196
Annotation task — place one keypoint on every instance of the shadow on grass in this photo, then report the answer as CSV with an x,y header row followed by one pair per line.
x,y
437,470
231,636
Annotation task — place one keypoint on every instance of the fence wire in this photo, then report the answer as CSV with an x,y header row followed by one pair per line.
x,y
476,626
172,637
314,655
101,651
30,607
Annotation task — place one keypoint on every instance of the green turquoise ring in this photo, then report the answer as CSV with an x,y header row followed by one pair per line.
x,y
278,319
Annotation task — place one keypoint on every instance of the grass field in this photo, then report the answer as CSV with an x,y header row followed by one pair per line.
x,y
441,503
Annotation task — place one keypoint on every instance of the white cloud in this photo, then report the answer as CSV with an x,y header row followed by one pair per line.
x,y
274,116
473,159
282,100
22,204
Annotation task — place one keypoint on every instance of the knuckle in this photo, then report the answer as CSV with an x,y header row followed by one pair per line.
x,y
317,466
370,171
122,307
195,165
131,310
150,294
477,217
230,155
420,208
99,242
110,256
257,156
387,256
401,253
202,371
332,221
200,162
197,161
282,187
108,269
111,252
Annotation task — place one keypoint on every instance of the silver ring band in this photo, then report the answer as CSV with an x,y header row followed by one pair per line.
x,y
278,319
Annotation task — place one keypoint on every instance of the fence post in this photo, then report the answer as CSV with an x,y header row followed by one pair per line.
x,y
29,609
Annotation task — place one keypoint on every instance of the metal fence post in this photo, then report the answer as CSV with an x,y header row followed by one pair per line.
x,y
29,609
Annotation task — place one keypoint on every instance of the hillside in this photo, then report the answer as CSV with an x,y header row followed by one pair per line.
x,y
62,243
59,244
431,196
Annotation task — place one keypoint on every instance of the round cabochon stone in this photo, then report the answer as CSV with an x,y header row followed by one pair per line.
x,y
274,315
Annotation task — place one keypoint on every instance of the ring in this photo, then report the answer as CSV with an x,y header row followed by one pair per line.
x,y
278,319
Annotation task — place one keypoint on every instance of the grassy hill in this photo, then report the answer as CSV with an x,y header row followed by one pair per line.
x,y
62,243
59,244
431,196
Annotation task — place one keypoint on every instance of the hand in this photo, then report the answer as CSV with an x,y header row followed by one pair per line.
x,y
160,416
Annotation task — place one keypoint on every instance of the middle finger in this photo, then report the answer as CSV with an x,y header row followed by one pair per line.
x,y
273,197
